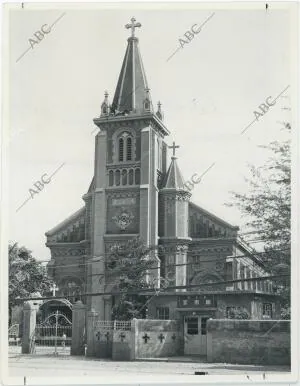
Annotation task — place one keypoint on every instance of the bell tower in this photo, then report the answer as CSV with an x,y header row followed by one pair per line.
x,y
173,231
130,159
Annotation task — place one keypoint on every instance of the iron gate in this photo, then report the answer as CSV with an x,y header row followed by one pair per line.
x,y
53,336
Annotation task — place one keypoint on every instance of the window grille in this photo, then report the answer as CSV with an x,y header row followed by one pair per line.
x,y
192,326
267,310
162,313
129,149
121,149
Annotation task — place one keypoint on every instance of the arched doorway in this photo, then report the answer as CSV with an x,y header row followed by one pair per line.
x,y
49,307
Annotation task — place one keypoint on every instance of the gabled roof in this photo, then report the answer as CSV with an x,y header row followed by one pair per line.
x,y
213,216
69,220
251,252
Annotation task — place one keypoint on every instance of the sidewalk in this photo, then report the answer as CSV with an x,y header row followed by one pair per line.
x,y
180,359
211,366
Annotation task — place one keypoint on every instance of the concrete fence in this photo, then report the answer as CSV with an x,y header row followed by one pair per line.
x,y
130,340
261,342
157,338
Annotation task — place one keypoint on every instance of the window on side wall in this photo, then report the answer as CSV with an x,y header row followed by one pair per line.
x,y
242,272
267,310
230,312
162,313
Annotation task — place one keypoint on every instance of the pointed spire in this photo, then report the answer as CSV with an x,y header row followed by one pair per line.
x,y
105,107
159,112
173,178
130,91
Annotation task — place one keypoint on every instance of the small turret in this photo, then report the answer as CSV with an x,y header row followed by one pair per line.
x,y
147,100
159,112
105,107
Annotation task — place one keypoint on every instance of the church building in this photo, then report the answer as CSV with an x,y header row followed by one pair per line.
x,y
138,190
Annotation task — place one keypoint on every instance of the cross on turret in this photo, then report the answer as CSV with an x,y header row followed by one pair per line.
x,y
174,148
132,26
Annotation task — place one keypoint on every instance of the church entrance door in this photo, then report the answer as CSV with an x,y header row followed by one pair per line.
x,y
195,335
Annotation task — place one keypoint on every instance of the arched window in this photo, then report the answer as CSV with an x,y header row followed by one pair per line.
x,y
111,178
124,177
117,177
121,149
137,176
130,177
129,149
146,105
125,145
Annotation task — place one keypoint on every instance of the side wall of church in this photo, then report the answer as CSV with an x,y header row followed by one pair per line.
x,y
207,261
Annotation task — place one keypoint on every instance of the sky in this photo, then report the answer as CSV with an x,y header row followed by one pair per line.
x,y
209,91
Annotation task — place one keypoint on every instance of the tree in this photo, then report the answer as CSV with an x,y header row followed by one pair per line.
x,y
127,266
26,275
267,208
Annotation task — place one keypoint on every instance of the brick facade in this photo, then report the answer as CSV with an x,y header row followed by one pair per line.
x,y
134,193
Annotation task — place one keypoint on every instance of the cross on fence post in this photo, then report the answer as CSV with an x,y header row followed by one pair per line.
x,y
107,336
174,336
98,335
122,336
161,337
146,338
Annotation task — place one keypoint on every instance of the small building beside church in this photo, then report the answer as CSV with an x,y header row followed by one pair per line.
x,y
137,190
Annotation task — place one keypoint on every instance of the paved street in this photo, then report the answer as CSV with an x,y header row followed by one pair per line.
x,y
107,370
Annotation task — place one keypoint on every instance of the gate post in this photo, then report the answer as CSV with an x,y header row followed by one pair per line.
x,y
78,328
29,322
90,333
134,339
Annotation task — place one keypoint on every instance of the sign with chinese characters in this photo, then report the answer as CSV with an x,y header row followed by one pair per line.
x,y
196,300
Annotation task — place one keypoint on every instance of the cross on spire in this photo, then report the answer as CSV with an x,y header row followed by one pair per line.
x,y
173,147
132,26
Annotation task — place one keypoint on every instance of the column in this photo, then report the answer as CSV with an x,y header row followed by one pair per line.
x,y
180,269
78,328
29,322
90,333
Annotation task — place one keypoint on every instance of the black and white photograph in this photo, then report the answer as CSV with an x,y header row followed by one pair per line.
x,y
149,198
